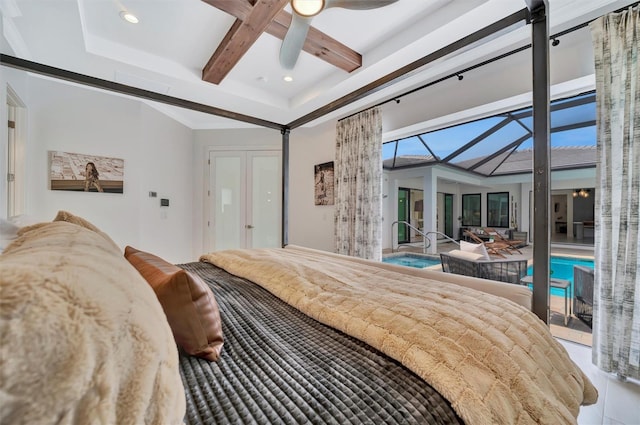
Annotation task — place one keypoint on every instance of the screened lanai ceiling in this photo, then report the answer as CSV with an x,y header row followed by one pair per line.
x,y
503,144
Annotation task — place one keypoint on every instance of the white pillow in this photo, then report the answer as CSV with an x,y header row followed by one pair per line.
x,y
472,256
477,248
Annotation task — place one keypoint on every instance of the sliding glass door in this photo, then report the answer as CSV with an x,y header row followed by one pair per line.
x,y
404,197
448,214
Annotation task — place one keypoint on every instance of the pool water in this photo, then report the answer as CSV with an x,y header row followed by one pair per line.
x,y
562,268
412,261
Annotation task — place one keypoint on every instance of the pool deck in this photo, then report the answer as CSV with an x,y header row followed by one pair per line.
x,y
556,303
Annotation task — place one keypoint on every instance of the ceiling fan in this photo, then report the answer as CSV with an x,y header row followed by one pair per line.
x,y
303,13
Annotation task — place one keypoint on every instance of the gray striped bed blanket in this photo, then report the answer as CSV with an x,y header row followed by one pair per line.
x,y
280,366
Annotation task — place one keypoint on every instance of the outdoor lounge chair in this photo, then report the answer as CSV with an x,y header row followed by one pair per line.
x,y
513,244
495,248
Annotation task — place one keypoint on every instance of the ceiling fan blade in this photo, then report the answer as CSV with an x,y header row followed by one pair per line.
x,y
359,4
294,40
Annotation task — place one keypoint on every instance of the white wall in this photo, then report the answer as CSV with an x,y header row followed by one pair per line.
x,y
156,151
310,225
165,153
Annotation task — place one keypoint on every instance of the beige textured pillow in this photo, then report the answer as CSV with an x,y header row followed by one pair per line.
x,y
74,219
472,256
84,339
71,218
476,248
187,301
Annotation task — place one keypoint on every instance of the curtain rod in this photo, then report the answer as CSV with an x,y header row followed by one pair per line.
x,y
483,63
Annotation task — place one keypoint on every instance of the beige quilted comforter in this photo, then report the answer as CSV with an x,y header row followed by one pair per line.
x,y
495,361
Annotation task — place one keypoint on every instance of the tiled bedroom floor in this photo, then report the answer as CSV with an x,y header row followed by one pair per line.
x,y
618,401
575,331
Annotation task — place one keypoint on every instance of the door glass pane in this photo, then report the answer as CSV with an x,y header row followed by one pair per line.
x,y
448,215
403,215
498,209
266,202
11,169
471,209
227,211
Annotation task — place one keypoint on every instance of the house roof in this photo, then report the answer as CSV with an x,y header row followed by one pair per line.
x,y
562,158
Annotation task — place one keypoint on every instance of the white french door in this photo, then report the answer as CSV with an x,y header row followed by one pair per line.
x,y
245,199
16,130
11,161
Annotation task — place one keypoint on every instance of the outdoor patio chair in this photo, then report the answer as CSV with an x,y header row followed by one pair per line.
x,y
513,244
583,278
510,271
495,248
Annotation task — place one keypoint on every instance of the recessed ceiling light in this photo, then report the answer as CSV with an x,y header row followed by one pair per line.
x,y
129,17
288,78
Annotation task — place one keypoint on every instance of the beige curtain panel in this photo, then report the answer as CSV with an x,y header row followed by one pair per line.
x,y
616,305
358,185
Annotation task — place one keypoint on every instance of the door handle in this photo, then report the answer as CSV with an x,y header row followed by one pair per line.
x,y
248,226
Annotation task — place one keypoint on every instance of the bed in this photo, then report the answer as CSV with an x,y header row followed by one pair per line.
x,y
309,337
431,333
281,366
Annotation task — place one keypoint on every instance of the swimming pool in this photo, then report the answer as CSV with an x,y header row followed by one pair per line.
x,y
562,268
412,260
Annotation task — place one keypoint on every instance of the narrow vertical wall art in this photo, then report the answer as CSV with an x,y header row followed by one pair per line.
x,y
323,175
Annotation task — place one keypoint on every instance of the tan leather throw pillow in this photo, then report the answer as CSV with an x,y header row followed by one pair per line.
x,y
188,302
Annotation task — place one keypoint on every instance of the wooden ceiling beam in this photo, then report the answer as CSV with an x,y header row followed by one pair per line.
x,y
237,8
317,43
240,38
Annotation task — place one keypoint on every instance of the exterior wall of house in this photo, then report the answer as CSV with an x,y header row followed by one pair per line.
x,y
562,182
459,183
450,181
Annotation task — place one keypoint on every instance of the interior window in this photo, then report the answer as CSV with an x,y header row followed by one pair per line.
x,y
471,209
498,209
